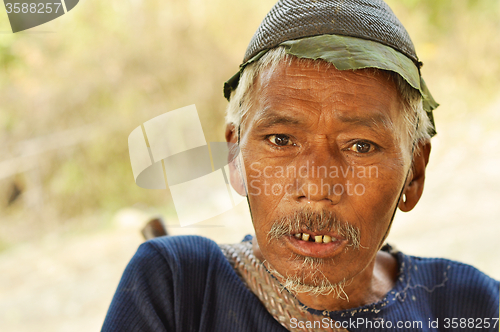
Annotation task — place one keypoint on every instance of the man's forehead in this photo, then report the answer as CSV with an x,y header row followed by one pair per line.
x,y
305,73
270,117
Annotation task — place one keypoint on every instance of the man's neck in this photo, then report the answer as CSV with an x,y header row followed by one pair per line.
x,y
370,286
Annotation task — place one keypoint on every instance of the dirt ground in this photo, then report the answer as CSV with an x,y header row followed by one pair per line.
x,y
65,283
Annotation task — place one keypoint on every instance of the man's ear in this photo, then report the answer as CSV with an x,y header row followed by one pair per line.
x,y
234,160
415,184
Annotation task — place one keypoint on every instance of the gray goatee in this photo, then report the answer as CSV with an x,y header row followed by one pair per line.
x,y
314,221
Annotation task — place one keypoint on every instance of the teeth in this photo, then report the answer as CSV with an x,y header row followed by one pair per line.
x,y
317,238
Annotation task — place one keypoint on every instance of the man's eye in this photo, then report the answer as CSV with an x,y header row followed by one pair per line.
x,y
280,140
362,147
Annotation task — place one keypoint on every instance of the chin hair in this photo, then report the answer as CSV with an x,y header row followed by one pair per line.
x,y
310,280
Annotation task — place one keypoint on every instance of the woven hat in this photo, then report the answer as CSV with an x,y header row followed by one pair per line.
x,y
367,19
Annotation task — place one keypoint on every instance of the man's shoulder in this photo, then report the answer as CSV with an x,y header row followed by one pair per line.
x,y
453,282
182,245
181,263
450,269
187,251
183,283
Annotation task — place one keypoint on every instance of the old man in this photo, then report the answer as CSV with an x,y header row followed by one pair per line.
x,y
331,122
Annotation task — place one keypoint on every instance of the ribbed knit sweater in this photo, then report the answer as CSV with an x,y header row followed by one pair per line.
x,y
186,284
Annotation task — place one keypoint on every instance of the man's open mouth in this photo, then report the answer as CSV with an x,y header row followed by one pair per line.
x,y
315,238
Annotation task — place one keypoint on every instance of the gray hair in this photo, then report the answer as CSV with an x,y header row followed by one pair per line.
x,y
417,123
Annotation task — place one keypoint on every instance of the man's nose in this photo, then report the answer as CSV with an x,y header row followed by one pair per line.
x,y
320,179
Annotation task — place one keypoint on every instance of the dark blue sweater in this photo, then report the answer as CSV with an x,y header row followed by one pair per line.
x,y
186,284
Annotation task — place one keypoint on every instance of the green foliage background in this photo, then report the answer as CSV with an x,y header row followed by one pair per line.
x,y
73,89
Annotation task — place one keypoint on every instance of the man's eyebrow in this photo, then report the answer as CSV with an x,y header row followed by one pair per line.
x,y
376,121
271,118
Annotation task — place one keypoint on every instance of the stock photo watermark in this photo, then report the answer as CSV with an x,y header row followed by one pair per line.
x,y
26,14
411,325
295,180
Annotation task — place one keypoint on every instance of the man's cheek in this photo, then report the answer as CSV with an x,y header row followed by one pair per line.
x,y
384,183
264,183
373,196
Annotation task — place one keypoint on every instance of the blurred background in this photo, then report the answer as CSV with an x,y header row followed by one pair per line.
x,y
72,90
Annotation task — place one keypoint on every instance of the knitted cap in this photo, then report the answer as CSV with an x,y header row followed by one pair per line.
x,y
367,19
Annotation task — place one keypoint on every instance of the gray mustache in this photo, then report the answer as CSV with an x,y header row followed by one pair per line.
x,y
314,221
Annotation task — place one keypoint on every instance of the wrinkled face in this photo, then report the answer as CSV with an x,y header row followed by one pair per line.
x,y
325,162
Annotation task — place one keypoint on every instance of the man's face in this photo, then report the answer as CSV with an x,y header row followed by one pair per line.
x,y
328,143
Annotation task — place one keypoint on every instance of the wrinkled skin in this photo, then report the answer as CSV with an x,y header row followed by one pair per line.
x,y
305,115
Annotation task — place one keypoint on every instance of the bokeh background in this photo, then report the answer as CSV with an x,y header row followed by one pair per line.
x,y
72,90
